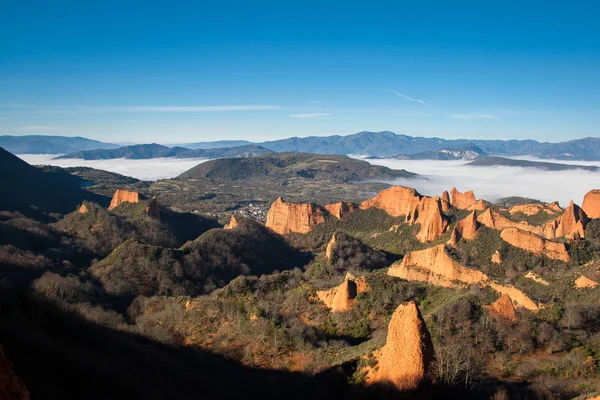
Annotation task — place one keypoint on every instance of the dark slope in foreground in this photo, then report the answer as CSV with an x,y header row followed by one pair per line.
x,y
32,190
547,166
287,165
148,151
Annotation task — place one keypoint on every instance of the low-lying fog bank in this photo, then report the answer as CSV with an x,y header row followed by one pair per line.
x,y
492,183
148,170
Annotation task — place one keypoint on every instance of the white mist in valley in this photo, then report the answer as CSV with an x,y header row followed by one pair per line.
x,y
493,183
148,170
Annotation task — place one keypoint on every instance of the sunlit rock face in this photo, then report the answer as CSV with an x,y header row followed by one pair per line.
x,y
284,217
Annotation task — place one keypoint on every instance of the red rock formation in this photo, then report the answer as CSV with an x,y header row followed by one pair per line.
x,y
122,196
435,266
341,209
286,217
503,308
83,209
397,201
428,214
405,358
152,209
535,244
467,227
585,282
591,204
495,220
466,201
11,386
533,209
361,283
233,223
330,251
453,238
340,298
571,224
445,201
497,257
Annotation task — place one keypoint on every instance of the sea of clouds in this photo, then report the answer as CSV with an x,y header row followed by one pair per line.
x,y
493,183
148,170
489,183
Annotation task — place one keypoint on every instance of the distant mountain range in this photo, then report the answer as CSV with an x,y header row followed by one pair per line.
x,y
147,151
39,144
467,152
374,144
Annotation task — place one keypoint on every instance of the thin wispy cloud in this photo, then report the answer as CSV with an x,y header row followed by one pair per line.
x,y
310,115
224,108
469,117
405,96
37,128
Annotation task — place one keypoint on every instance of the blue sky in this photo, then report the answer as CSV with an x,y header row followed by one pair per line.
x,y
177,71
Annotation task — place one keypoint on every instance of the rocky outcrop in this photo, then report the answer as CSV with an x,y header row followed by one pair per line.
x,y
467,227
466,201
428,214
591,204
340,298
446,201
152,208
503,308
330,251
397,201
536,208
284,217
453,238
497,257
584,282
571,224
494,220
233,223
535,244
405,358
340,210
536,278
122,196
435,266
11,386
83,209
361,283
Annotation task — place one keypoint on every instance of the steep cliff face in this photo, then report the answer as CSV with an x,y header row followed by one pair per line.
x,y
591,204
584,282
11,386
83,209
571,224
428,214
284,217
535,244
503,308
340,298
494,220
446,201
340,210
122,196
330,251
466,201
405,358
397,201
467,227
435,266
